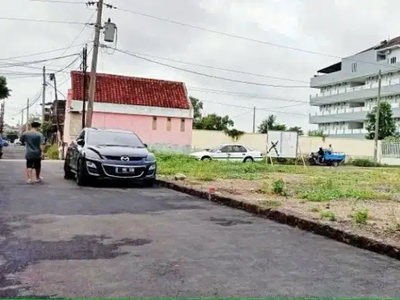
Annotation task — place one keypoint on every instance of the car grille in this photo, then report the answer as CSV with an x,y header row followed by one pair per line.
x,y
119,158
110,170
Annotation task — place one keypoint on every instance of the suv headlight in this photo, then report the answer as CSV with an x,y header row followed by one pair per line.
x,y
150,157
92,155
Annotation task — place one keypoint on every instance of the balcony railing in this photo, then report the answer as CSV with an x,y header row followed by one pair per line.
x,y
356,88
345,131
346,110
349,110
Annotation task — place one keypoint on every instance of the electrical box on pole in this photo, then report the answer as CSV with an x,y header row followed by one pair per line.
x,y
109,31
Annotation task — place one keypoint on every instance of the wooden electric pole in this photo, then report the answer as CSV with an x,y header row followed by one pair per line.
x,y
27,113
84,69
93,70
44,95
378,106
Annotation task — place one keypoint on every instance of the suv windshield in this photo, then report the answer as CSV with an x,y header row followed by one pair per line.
x,y
112,138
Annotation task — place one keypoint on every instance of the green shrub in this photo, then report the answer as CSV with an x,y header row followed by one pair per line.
x,y
279,187
362,162
51,151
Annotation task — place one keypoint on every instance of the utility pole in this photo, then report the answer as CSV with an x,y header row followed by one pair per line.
x,y
254,119
376,135
93,70
84,69
60,138
27,112
2,118
22,116
44,95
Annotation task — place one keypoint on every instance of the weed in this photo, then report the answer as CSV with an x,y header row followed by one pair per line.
x,y
315,209
271,204
279,187
362,162
329,216
361,216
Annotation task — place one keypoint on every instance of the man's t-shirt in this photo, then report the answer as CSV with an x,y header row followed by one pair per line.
x,y
32,140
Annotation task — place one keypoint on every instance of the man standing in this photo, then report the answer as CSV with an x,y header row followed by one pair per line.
x,y
34,142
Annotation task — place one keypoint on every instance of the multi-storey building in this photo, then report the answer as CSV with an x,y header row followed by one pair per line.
x,y
348,89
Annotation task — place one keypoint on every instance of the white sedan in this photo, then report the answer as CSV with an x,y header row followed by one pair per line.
x,y
228,152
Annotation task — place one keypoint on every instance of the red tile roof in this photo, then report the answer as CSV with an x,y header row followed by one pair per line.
x,y
133,91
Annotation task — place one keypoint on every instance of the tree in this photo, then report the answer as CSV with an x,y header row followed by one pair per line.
x,y
197,109
296,129
209,122
4,90
316,133
270,124
214,122
387,125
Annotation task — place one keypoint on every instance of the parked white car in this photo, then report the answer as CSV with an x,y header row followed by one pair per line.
x,y
229,152
17,142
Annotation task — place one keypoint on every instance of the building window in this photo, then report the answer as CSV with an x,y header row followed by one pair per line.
x,y
354,67
393,60
182,124
168,124
154,125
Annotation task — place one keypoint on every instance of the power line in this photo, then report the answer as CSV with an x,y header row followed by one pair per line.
x,y
208,75
79,34
225,34
218,68
58,1
41,53
251,39
243,95
21,64
42,21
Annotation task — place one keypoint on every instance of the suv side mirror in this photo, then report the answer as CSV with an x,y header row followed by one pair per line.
x,y
80,142
145,145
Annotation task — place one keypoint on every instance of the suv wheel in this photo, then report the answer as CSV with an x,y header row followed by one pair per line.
x,y
81,176
67,171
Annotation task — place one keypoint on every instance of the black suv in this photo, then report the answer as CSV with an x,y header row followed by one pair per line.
x,y
109,154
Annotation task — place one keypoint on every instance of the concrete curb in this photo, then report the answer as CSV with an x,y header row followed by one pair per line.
x,y
294,221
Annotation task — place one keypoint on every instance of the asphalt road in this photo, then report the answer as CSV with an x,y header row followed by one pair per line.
x,y
60,240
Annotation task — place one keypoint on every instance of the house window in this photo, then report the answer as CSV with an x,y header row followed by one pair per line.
x,y
182,124
393,60
154,124
168,124
354,67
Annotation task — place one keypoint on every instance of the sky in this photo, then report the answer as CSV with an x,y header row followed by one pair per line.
x,y
267,38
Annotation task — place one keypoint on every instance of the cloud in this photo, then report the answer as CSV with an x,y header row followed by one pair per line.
x,y
334,27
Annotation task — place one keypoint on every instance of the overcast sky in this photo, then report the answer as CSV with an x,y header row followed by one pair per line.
x,y
333,27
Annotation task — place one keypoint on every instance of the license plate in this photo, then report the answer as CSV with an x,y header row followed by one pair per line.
x,y
125,170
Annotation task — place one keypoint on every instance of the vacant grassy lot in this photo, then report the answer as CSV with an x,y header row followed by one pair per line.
x,y
364,199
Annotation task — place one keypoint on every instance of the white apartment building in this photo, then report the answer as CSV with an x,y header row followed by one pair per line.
x,y
348,89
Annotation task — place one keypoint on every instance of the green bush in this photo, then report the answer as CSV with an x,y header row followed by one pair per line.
x,y
279,187
362,162
51,151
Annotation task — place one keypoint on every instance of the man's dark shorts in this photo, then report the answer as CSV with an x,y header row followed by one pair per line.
x,y
33,163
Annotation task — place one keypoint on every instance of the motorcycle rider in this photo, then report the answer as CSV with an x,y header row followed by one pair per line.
x,y
320,154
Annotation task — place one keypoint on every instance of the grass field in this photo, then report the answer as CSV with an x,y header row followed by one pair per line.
x,y
368,198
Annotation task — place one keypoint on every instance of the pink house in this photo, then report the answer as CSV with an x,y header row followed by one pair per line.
x,y
158,111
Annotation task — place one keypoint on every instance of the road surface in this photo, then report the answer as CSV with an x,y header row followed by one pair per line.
x,y
60,240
